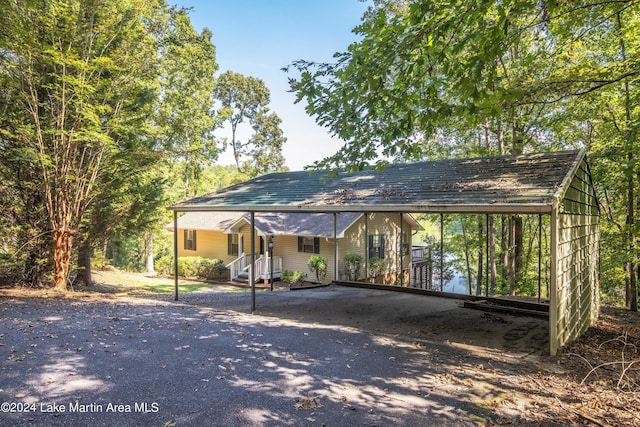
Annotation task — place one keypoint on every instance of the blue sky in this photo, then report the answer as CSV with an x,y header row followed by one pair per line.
x,y
259,37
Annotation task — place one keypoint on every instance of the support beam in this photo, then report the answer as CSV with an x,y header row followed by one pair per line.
x,y
488,261
400,252
553,285
539,255
366,246
335,247
441,252
252,267
175,253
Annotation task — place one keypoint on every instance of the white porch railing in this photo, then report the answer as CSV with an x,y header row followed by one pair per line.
x,y
240,267
263,267
237,266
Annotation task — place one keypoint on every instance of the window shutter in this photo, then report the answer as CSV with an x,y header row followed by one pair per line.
x,y
185,239
194,240
300,244
316,245
371,246
382,246
229,242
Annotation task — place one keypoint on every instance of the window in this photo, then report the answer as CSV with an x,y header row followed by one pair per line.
x,y
233,244
376,246
190,240
406,243
309,245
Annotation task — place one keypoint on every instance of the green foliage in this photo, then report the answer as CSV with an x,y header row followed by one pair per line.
x,y
353,263
442,78
245,99
164,265
376,266
185,113
293,277
193,266
319,266
78,77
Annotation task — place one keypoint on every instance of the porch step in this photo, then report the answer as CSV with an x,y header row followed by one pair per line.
x,y
242,278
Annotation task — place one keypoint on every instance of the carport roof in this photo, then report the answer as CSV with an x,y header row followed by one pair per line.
x,y
527,183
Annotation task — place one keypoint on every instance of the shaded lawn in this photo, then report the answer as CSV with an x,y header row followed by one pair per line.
x,y
140,284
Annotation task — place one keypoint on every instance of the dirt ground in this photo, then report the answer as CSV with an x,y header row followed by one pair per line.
x,y
328,356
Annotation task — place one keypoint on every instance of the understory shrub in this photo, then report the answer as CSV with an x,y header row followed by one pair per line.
x,y
293,277
193,266
318,265
353,263
376,267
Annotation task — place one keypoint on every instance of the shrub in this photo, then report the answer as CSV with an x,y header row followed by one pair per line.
x,y
293,277
353,263
193,266
218,271
318,265
376,266
164,265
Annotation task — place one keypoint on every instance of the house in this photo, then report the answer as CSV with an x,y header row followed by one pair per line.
x,y
298,236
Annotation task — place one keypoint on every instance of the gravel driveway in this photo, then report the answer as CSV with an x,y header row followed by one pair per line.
x,y
332,356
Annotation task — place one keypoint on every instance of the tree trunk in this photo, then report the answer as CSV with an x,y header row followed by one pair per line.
x,y
512,256
480,256
633,302
149,258
84,261
62,241
632,293
492,256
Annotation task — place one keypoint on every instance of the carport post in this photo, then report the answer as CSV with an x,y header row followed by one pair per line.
x,y
335,246
539,255
441,252
400,252
252,268
553,284
486,241
175,253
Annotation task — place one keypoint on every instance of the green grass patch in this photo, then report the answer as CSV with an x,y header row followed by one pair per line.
x,y
139,284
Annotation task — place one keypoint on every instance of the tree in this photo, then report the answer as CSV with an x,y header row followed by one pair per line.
x,y
186,116
468,77
246,99
265,145
77,72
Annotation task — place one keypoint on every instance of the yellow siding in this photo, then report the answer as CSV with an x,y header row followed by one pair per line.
x,y
245,230
287,248
209,244
356,241
213,244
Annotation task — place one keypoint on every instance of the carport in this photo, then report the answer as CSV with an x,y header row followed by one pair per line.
x,y
557,185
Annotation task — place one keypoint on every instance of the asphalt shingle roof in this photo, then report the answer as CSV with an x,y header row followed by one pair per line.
x,y
528,183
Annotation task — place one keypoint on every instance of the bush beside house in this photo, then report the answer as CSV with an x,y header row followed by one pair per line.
x,y
293,278
353,263
194,266
319,265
